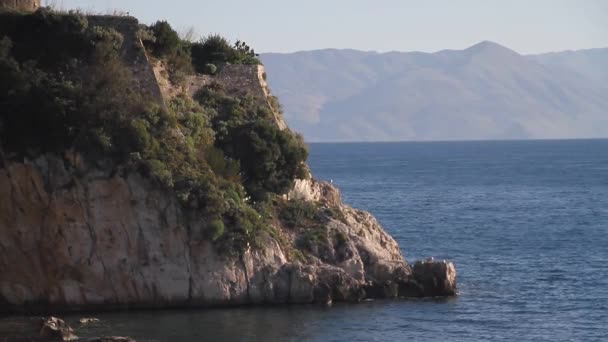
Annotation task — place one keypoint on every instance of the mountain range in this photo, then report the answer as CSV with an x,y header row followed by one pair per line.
x,y
486,91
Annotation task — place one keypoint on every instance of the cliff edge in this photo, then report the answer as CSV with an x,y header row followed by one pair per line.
x,y
183,216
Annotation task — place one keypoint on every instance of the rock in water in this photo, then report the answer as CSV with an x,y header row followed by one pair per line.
x,y
56,329
88,320
113,339
435,278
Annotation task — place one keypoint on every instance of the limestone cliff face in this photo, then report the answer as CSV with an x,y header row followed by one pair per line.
x,y
75,236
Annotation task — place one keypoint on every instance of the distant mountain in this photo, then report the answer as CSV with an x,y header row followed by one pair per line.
x,y
592,63
486,91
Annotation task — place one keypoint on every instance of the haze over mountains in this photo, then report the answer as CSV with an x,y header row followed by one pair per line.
x,y
486,91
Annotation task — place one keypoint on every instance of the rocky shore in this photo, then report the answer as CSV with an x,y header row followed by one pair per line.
x,y
76,236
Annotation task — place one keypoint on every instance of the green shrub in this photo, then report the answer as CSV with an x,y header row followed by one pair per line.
x,y
211,49
270,158
180,65
50,39
140,135
216,229
222,165
159,171
78,91
316,242
245,54
166,41
146,34
102,139
209,69
215,49
244,229
193,120
298,213
335,213
109,37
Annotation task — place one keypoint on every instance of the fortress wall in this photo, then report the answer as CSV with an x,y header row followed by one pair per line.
x,y
239,80
134,52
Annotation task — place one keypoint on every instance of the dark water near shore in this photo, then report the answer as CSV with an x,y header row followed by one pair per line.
x,y
525,221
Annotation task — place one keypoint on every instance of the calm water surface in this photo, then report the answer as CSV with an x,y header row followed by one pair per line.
x,y
525,221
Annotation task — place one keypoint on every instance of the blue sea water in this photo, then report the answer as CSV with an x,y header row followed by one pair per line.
x,y
526,223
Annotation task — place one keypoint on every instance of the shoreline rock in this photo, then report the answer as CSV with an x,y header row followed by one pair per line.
x,y
436,278
55,329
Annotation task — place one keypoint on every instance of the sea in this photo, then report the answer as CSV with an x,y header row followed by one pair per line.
x,y
525,222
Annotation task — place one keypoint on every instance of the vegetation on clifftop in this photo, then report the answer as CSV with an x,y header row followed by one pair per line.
x,y
64,85
183,56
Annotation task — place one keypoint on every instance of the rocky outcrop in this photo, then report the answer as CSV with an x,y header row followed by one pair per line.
x,y
78,236
55,329
312,190
435,278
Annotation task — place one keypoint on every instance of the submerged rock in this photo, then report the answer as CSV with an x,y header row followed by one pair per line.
x,y
113,339
88,320
55,329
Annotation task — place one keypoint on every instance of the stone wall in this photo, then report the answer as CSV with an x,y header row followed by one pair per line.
x,y
134,52
20,5
239,80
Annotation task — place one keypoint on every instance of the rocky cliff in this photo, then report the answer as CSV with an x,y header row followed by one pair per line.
x,y
75,236
79,233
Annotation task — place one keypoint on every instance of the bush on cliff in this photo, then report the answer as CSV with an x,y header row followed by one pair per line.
x,y
164,43
217,50
298,213
183,56
270,158
53,100
46,38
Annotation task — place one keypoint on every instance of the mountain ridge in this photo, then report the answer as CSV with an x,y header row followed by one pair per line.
x,y
433,52
486,91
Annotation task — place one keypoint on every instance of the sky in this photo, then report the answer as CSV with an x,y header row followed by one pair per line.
x,y
381,25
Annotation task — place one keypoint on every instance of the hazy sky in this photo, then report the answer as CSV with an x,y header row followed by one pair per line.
x,y
527,26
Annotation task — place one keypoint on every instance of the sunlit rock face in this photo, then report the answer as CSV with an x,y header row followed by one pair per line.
x,y
76,236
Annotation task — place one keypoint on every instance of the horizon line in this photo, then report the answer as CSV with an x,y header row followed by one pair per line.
x,y
453,141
